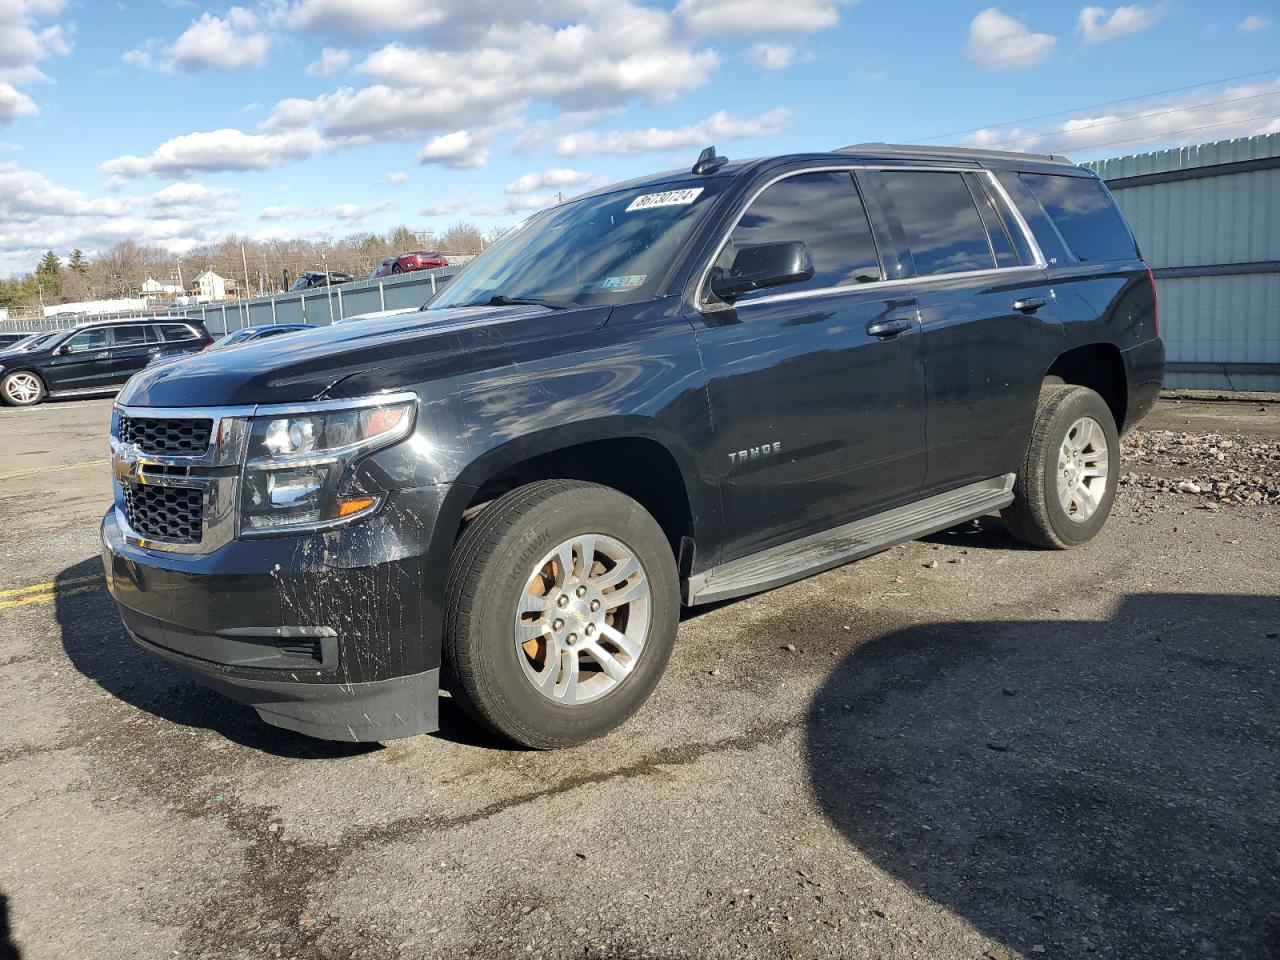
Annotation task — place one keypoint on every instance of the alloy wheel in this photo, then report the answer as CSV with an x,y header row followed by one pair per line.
x,y
583,619
1082,469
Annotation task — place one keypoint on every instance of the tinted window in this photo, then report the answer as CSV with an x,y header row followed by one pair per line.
x,y
1001,243
174,332
825,211
1082,210
131,336
98,339
942,224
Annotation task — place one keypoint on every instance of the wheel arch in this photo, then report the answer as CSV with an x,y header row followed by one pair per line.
x,y
628,454
1101,368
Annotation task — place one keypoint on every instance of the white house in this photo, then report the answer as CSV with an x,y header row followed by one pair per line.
x,y
153,288
210,286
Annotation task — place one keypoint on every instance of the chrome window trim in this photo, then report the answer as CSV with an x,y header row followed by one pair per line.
x,y
711,306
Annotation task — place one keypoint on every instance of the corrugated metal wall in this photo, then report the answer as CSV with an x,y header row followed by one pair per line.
x,y
1208,220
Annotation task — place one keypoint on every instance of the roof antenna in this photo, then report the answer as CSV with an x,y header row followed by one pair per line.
x,y
708,162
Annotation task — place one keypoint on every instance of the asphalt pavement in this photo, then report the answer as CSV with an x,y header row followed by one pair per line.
x,y
961,748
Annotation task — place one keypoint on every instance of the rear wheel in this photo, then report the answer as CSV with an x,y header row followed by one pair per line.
x,y
1067,484
396,268
561,613
22,389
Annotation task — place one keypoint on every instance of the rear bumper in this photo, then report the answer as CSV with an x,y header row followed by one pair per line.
x,y
1144,367
335,635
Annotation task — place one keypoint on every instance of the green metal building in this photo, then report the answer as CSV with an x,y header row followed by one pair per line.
x,y
1207,219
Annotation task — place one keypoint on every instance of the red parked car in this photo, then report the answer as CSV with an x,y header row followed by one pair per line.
x,y
408,262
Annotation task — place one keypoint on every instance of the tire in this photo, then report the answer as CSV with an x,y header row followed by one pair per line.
x,y
1038,515
492,580
22,388
396,268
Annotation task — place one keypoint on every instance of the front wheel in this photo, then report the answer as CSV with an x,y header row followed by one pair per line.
x,y
561,613
1067,483
22,389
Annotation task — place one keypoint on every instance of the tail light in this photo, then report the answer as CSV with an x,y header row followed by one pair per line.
x,y
1155,304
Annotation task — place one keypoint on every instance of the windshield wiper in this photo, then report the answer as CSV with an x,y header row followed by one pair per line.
x,y
499,300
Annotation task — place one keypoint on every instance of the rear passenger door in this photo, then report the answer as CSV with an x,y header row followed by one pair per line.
x,y
987,316
134,347
818,420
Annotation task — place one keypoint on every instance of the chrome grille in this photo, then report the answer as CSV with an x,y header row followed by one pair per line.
x,y
158,435
174,514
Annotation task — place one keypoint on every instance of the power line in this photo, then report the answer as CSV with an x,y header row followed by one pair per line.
x,y
1174,133
1137,116
1105,103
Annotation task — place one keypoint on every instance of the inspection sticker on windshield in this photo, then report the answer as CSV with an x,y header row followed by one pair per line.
x,y
672,198
624,283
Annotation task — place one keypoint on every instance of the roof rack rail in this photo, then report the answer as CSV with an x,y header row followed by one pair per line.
x,y
976,153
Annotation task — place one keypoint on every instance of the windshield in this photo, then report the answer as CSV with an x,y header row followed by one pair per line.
x,y
234,336
45,340
602,250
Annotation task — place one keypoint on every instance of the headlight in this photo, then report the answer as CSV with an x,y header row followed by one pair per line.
x,y
297,472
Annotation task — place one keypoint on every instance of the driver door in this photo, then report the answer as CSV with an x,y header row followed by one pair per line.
x,y
83,362
818,405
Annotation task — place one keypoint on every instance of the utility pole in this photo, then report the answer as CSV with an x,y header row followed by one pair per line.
x,y
244,307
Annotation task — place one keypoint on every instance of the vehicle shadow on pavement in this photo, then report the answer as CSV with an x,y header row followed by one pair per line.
x,y
1071,788
100,648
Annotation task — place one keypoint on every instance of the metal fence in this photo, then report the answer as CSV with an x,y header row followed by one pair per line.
x,y
320,305
1208,221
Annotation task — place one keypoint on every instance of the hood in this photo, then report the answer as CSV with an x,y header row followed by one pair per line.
x,y
302,366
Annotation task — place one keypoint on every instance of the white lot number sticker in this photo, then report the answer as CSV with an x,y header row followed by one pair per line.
x,y
672,198
624,283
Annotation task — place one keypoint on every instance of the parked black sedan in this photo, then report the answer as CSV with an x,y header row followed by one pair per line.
x,y
93,357
315,278
11,338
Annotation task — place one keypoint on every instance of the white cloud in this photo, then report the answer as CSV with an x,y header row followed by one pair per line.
x,y
999,42
194,198
444,209
397,179
24,43
458,150
588,56
217,150
37,214
1175,121
331,61
238,40
14,103
1253,23
773,56
1098,24
721,17
550,179
719,126
363,16
346,212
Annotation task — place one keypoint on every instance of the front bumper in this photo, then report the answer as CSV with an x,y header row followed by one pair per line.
x,y
332,634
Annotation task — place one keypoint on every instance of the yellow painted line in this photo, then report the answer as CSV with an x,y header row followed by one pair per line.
x,y
45,597
47,586
53,469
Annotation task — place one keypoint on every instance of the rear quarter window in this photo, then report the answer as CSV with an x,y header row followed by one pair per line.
x,y
1085,215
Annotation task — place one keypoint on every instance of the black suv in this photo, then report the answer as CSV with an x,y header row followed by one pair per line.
x,y
675,390
94,357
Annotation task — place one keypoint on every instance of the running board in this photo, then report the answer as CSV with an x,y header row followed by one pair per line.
x,y
822,551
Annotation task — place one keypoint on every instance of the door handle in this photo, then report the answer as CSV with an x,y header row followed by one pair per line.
x,y
888,329
1029,304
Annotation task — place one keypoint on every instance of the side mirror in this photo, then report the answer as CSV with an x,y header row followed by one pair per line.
x,y
62,351
763,265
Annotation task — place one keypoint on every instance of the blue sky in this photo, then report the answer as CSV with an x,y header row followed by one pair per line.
x,y
179,122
